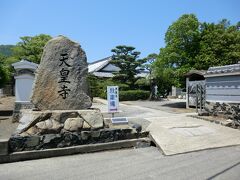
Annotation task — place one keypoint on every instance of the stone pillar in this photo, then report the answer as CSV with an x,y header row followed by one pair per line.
x,y
187,93
174,91
24,78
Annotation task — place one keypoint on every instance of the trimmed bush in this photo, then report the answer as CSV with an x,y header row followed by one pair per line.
x,y
98,87
132,95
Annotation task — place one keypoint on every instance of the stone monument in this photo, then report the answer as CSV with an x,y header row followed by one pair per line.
x,y
60,92
60,82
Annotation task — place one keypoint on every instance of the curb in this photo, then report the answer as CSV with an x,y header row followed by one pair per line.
x,y
47,153
209,120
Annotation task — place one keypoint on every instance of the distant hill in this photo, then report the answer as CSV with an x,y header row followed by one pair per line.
x,y
6,50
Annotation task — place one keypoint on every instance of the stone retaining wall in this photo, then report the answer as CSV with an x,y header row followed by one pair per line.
x,y
226,110
48,141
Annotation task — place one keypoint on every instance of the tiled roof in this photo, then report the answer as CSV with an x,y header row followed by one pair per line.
x,y
103,74
199,72
224,70
24,64
97,65
97,68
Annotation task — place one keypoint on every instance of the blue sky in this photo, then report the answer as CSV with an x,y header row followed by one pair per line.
x,y
100,25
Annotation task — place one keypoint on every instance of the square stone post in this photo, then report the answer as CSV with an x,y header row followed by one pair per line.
x,y
187,93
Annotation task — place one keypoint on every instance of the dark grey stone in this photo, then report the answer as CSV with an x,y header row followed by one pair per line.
x,y
16,143
95,134
138,127
107,135
50,141
32,141
85,135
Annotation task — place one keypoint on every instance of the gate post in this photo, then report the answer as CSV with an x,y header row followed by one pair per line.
x,y
196,98
187,93
200,97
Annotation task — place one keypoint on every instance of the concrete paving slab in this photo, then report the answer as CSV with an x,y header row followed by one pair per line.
x,y
175,135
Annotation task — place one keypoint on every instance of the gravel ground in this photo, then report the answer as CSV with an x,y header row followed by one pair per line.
x,y
7,103
6,125
7,128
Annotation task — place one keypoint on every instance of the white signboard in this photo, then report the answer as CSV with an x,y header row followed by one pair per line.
x,y
119,120
113,98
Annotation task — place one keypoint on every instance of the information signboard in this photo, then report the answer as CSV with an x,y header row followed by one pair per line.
x,y
113,99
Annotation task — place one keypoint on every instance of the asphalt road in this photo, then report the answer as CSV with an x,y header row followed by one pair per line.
x,y
142,163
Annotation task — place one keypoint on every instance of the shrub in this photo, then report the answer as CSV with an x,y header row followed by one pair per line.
x,y
98,86
95,89
103,87
132,95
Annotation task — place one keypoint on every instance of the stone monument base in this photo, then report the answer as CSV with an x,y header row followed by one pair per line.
x,y
54,121
62,128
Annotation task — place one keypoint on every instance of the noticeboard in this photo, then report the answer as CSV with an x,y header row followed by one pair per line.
x,y
113,98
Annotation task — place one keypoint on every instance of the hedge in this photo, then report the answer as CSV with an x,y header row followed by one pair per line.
x,y
132,95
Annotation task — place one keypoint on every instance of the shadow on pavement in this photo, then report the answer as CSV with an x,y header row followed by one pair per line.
x,y
176,105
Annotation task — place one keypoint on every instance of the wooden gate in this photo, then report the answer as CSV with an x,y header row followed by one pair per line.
x,y
196,93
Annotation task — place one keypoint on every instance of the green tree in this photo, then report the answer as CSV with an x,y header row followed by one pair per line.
x,y
6,50
4,71
149,82
219,44
31,48
178,56
164,77
182,41
127,60
194,45
149,60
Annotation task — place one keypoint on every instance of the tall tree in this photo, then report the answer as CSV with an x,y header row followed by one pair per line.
x,y
127,60
182,46
182,41
194,45
149,60
31,48
219,44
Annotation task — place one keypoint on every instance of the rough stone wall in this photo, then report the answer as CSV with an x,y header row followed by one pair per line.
x,y
226,110
66,139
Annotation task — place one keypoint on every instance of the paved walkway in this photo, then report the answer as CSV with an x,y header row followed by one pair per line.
x,y
183,134
176,133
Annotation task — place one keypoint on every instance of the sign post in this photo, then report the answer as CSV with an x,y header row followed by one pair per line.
x,y
113,99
